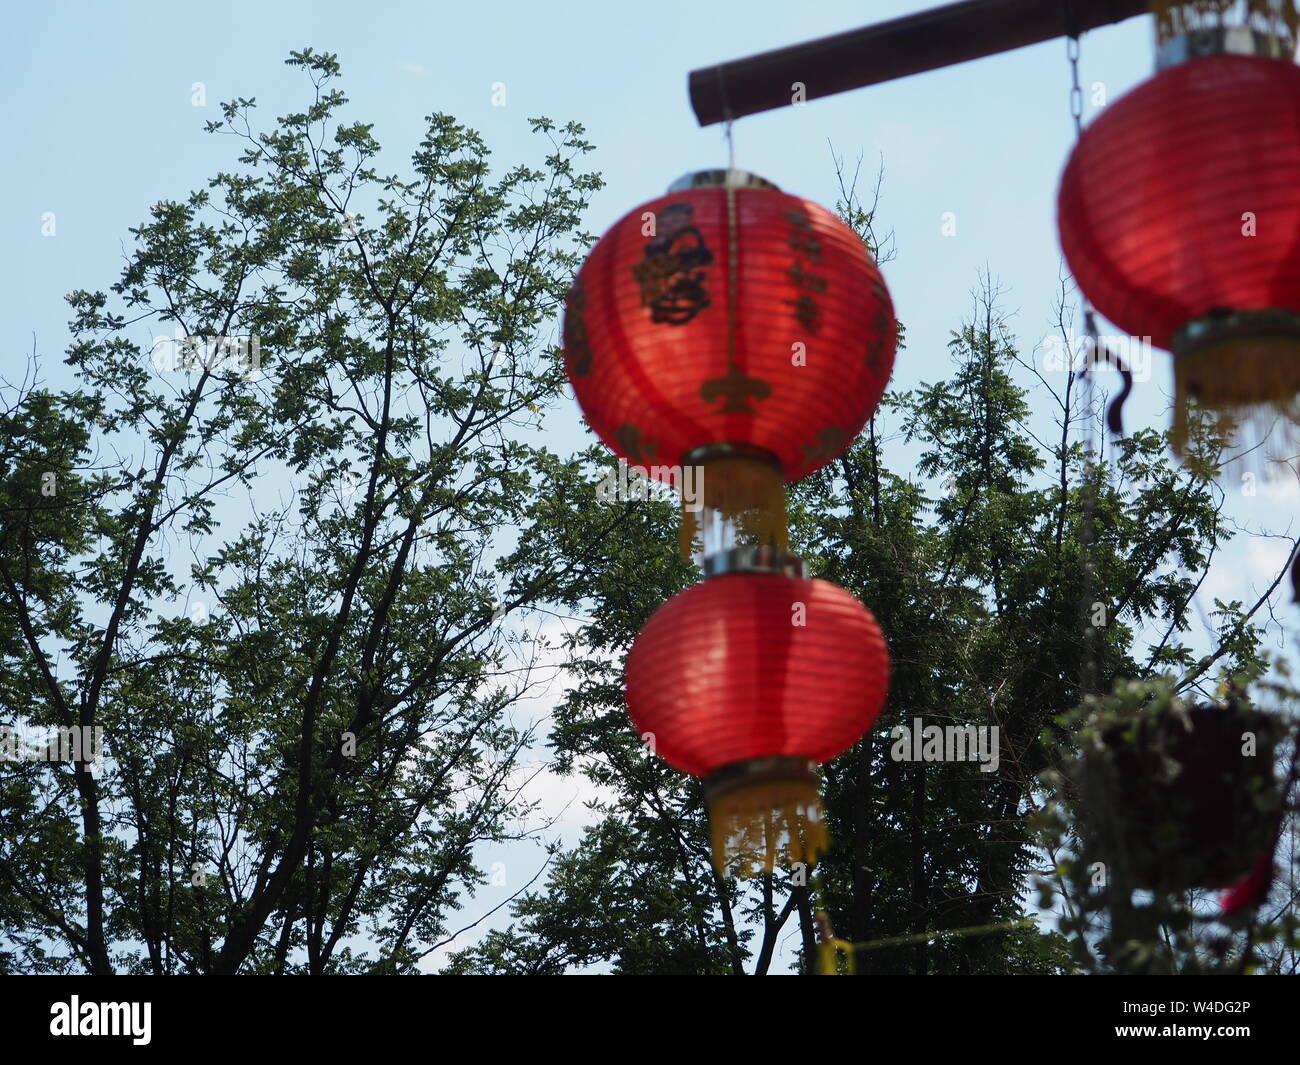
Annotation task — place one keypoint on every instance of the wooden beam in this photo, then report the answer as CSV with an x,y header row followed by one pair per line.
x,y
928,40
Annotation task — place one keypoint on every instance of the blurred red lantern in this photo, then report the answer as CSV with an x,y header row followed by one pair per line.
x,y
1180,220
749,679
731,326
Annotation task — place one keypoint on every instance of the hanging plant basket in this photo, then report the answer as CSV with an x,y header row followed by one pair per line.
x,y
1178,795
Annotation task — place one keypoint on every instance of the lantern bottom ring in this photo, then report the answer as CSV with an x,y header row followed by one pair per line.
x,y
1274,324
776,768
725,449
1242,365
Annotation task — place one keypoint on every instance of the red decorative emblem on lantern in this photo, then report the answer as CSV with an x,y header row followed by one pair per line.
x,y
729,312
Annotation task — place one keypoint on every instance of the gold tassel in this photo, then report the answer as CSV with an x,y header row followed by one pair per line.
x,y
1248,382
755,825
745,490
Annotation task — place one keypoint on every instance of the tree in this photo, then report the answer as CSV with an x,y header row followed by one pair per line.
x,y
284,562
1102,844
305,722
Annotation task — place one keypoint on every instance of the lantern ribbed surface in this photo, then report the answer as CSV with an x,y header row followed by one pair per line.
x,y
669,349
723,672
1157,198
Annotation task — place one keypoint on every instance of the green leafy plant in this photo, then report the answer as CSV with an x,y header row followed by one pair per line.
x,y
1184,794
1156,797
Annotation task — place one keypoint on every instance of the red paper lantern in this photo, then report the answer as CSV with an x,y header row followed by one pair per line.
x,y
1180,219
749,680
729,320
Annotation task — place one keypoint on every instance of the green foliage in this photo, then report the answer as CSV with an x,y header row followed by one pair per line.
x,y
1136,817
976,572
308,717
278,591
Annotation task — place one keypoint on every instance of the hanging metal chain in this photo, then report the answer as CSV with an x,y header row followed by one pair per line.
x,y
1076,91
1089,671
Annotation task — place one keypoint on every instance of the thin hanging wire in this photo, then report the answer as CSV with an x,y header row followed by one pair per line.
x,y
829,947
1090,670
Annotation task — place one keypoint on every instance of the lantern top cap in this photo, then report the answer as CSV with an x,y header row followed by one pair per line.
x,y
730,179
750,559
1223,40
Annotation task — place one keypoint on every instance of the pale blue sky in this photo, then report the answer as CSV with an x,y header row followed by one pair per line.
x,y
99,123
99,118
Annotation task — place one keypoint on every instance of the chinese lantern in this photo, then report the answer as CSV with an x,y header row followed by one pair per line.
x,y
748,680
1180,220
735,328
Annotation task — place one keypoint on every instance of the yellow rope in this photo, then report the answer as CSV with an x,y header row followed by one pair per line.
x,y
831,949
925,937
